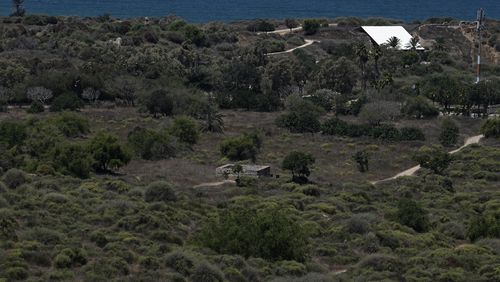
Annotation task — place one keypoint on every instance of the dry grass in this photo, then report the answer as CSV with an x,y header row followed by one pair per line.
x,y
334,164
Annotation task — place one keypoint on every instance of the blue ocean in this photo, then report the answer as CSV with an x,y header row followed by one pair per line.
x,y
233,10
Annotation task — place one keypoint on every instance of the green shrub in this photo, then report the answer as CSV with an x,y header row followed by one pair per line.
x,y
419,107
311,26
160,191
267,233
491,128
71,124
67,101
302,116
12,133
36,107
412,215
239,148
411,134
207,273
107,152
484,226
186,130
8,225
180,262
299,164
73,159
449,133
151,145
16,273
380,262
433,158
14,178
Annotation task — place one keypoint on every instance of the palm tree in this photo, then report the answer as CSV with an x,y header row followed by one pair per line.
x,y
376,54
394,42
362,52
18,9
213,119
413,44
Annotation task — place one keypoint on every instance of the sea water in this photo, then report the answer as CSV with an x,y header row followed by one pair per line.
x,y
233,10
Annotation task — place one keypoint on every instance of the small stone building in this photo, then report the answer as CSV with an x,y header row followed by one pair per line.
x,y
248,170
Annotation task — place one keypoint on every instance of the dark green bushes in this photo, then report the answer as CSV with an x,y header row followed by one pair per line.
x,y
338,127
160,192
419,107
68,258
67,101
186,130
412,215
12,133
311,26
14,178
299,164
150,144
73,159
244,147
449,133
491,128
433,158
107,152
266,233
484,226
302,116
71,124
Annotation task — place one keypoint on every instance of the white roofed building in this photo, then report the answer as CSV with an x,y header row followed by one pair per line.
x,y
381,34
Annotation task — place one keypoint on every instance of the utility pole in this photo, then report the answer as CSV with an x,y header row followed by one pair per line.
x,y
480,28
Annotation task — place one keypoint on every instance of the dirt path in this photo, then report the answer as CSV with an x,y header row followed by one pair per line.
x,y
215,184
308,43
410,172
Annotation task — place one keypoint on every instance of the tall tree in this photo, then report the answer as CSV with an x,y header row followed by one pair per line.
x,y
363,56
394,42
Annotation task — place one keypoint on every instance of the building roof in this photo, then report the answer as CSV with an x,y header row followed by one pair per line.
x,y
382,34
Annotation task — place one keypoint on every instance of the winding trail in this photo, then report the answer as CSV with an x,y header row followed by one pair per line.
x,y
410,172
308,43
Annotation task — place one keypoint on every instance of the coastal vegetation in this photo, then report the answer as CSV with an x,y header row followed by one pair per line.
x,y
111,131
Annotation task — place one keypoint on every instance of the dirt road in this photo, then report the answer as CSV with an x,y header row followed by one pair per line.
x,y
410,172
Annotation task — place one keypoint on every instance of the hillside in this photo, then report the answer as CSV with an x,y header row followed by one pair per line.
x,y
111,132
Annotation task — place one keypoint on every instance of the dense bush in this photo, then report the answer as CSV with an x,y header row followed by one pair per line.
x,y
302,116
244,147
484,226
299,164
66,101
338,127
434,158
107,152
207,273
419,107
36,107
311,26
12,133
449,133
71,124
73,159
411,214
375,113
14,178
186,130
266,233
160,191
150,144
491,128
